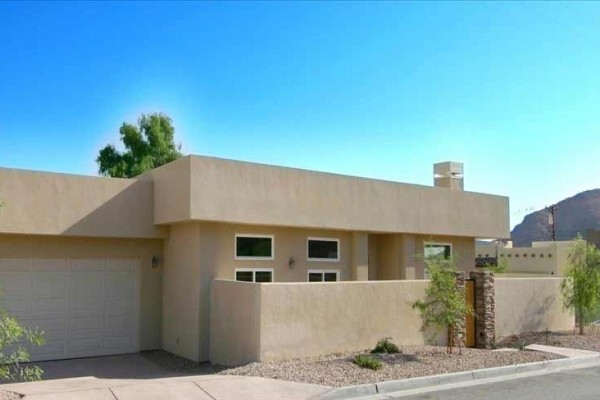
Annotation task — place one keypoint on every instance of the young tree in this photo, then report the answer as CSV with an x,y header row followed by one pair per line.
x,y
148,145
581,286
445,305
13,336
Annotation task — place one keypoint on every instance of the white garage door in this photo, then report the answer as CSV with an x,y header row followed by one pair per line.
x,y
86,307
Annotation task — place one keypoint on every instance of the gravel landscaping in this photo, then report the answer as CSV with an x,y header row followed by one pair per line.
x,y
5,395
589,341
339,370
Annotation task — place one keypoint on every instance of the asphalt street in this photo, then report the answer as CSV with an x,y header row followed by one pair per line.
x,y
569,384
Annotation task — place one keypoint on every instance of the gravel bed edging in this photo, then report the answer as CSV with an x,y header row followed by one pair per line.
x,y
455,377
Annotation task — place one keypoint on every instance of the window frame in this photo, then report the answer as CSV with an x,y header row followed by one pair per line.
x,y
323,272
438,244
323,239
254,271
254,235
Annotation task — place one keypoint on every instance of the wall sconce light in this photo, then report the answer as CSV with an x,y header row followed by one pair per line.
x,y
155,262
291,263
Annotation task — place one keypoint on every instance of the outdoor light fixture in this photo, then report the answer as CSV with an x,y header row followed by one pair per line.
x,y
291,263
154,262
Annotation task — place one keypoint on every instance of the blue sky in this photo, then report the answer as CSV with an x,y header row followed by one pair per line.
x,y
381,90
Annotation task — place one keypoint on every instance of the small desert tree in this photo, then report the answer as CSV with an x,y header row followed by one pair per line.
x,y
13,336
445,305
581,286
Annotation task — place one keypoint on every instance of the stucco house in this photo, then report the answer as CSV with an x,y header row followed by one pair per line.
x,y
108,266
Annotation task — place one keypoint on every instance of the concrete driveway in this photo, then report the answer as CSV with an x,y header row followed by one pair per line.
x,y
130,377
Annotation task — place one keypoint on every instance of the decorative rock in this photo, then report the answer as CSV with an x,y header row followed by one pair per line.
x,y
485,309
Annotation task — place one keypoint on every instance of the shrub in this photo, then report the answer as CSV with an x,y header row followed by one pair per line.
x,y
366,361
385,346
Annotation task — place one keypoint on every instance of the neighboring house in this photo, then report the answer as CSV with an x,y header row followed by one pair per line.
x,y
108,266
542,258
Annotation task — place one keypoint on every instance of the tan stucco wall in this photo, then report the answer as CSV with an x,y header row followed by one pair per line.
x,y
529,305
171,188
196,253
235,322
241,192
26,246
549,259
400,256
304,319
181,292
73,205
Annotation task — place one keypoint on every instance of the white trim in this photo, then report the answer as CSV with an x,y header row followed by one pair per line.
x,y
323,239
254,271
425,244
323,271
254,235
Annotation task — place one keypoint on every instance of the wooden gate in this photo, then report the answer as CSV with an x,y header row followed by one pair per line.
x,y
470,323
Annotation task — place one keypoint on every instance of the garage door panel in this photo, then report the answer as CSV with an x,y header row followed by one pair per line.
x,y
50,284
118,306
18,307
47,307
86,284
85,344
120,265
119,284
87,264
86,307
86,324
53,328
50,264
16,283
15,264
113,343
51,350
120,323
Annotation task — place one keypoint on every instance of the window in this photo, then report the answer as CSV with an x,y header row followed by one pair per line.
x,y
441,250
315,275
323,249
254,247
254,274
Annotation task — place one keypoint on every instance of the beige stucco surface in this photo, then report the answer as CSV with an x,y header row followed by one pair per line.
x,y
304,319
198,252
181,292
73,205
35,246
400,256
529,305
241,192
235,322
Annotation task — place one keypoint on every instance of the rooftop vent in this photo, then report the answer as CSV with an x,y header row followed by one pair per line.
x,y
448,175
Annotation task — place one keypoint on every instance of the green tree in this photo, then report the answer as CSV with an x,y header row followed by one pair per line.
x,y
499,268
13,337
445,305
147,145
581,286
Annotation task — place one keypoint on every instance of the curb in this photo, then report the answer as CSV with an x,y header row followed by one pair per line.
x,y
369,389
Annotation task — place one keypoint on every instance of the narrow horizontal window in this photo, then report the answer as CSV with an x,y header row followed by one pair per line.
x,y
438,250
254,275
323,249
256,247
323,275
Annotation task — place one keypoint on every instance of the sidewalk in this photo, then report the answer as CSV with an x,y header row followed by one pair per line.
x,y
206,387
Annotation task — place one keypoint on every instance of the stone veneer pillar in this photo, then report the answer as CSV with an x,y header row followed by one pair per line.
x,y
460,331
485,309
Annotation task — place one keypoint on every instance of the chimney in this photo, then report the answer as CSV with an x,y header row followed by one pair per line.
x,y
448,175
